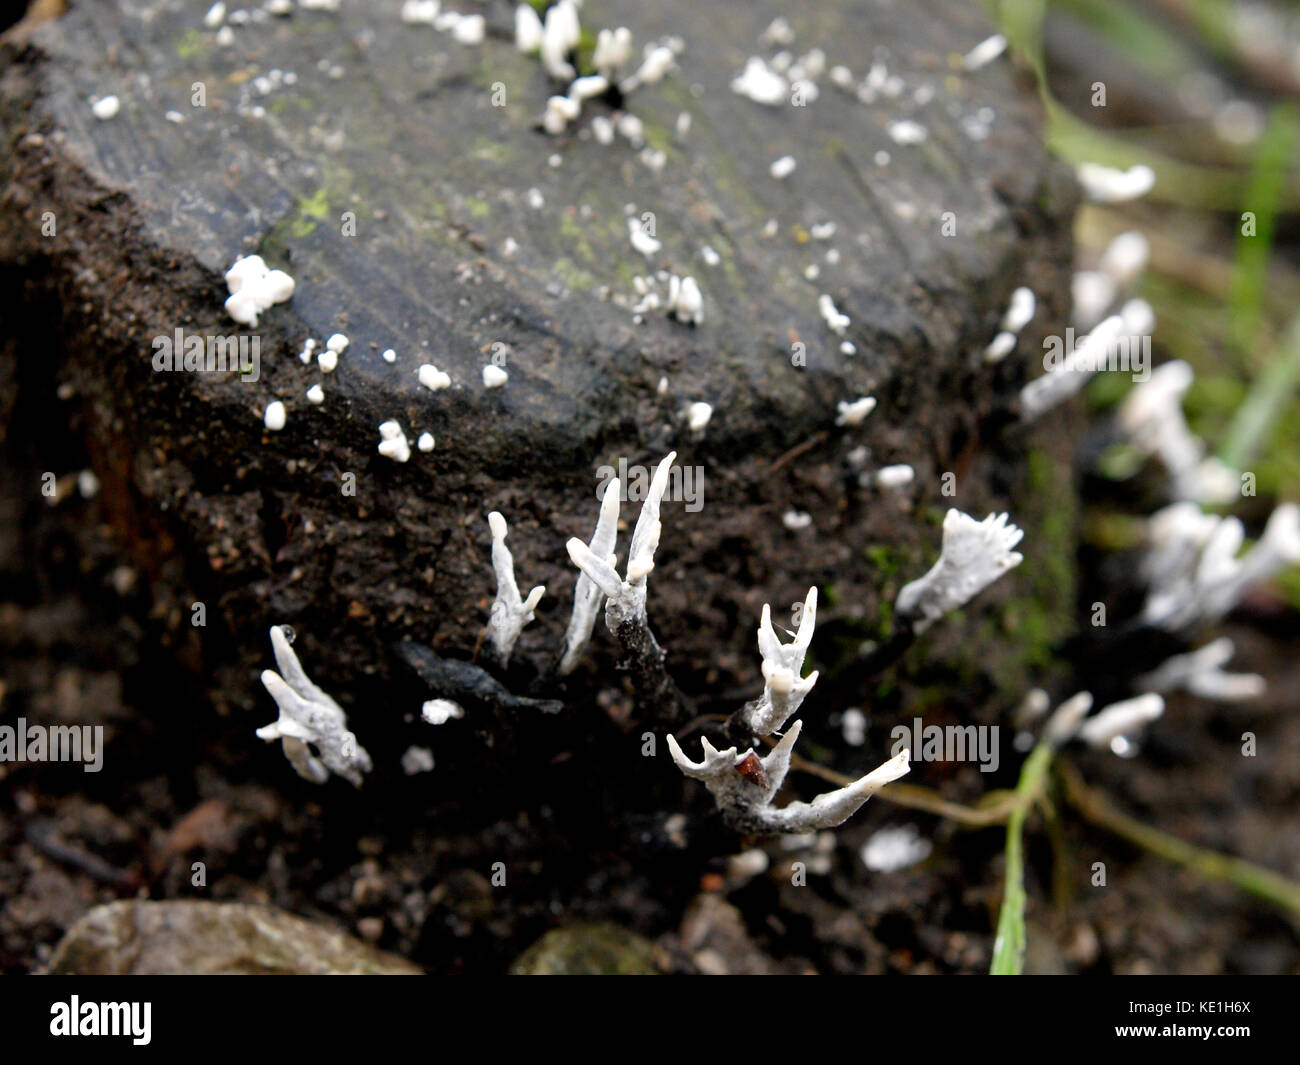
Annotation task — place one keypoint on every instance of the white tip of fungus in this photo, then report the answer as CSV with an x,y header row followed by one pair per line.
x,y
528,28
425,443
985,52
895,476
1020,311
274,417
432,378
854,413
316,395
782,168
494,376
1104,184
393,444
106,107
440,711
698,415
337,343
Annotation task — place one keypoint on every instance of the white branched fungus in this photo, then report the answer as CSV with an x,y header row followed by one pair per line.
x,y
974,555
625,597
743,786
510,613
587,595
1193,570
312,727
1201,673
785,687
1063,381
1115,726
1151,416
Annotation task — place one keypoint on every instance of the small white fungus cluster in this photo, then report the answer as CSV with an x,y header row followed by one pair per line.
x,y
253,288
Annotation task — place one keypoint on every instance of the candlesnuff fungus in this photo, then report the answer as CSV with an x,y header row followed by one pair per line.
x,y
744,785
309,717
974,555
587,595
785,686
1193,570
510,612
625,597
1201,673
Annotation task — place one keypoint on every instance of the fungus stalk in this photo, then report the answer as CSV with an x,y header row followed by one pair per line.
x,y
309,719
625,597
510,612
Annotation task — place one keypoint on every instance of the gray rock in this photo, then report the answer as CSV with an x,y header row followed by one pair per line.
x,y
188,937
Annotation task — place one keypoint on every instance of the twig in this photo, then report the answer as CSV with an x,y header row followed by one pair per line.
x,y
1251,878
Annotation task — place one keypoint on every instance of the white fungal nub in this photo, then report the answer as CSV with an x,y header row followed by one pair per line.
x,y
253,288
1067,717
856,412
106,107
974,555
641,240
783,167
1125,257
1020,311
440,711
494,376
895,476
1000,347
1104,184
837,322
274,417
1121,720
309,719
432,378
528,28
907,132
698,416
510,613
685,300
761,84
613,48
393,444
985,52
